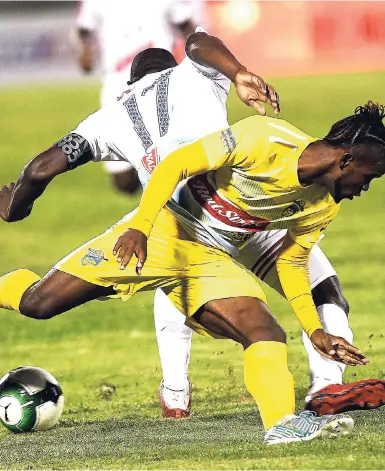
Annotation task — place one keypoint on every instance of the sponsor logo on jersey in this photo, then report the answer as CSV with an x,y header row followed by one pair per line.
x,y
126,92
151,160
298,205
228,140
93,257
221,209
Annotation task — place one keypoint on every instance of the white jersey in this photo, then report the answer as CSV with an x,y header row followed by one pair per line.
x,y
125,27
155,116
158,114
167,110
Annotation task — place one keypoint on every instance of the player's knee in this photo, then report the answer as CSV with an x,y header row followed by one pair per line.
x,y
127,182
329,291
36,307
258,326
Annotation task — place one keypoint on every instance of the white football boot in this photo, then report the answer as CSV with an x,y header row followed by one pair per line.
x,y
306,426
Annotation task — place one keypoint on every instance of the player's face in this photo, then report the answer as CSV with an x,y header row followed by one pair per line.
x,y
353,181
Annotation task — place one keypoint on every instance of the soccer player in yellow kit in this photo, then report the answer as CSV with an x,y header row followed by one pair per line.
x,y
260,174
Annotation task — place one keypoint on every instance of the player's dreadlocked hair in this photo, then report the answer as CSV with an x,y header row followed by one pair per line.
x,y
364,127
153,59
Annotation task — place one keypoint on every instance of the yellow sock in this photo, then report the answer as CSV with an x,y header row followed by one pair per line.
x,y
269,381
13,285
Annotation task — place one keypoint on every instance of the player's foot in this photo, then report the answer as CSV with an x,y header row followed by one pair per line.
x,y
175,404
306,426
336,398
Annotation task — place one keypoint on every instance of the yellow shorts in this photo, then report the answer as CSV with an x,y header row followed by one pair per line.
x,y
190,273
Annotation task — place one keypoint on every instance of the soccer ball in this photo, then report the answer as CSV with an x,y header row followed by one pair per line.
x,y
30,399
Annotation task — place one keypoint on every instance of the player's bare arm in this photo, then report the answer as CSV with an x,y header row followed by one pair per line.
x,y
211,52
16,199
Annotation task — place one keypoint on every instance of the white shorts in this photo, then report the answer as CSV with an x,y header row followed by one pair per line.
x,y
260,254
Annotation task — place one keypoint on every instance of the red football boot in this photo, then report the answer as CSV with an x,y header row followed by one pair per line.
x,y
337,398
175,404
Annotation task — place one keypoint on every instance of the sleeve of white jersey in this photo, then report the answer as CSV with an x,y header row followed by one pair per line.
x,y
217,77
90,128
106,132
87,15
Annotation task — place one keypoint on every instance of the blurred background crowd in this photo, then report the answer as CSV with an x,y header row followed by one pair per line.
x,y
276,38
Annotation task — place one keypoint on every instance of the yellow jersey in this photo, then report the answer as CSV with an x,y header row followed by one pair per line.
x,y
253,186
244,180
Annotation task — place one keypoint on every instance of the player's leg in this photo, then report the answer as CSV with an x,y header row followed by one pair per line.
x,y
222,299
333,310
124,176
249,322
327,393
44,298
174,343
260,256
76,279
87,273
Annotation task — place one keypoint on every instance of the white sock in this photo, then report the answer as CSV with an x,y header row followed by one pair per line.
x,y
322,370
174,342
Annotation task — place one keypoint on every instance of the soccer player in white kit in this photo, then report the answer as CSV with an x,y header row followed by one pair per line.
x,y
157,113
121,30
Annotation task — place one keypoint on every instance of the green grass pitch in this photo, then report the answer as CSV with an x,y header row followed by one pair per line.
x,y
111,342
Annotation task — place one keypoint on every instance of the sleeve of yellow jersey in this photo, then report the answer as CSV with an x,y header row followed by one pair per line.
x,y
293,270
235,146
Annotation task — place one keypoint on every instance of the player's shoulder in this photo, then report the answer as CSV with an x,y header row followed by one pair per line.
x,y
189,67
275,130
284,127
254,125
273,123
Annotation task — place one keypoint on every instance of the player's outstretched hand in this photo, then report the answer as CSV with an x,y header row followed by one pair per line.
x,y
6,193
253,91
337,348
130,243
